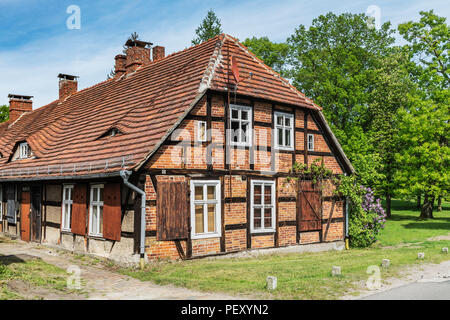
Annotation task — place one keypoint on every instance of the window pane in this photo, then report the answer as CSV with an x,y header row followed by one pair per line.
x,y
202,133
257,194
198,192
71,193
211,192
287,138
211,217
280,137
94,219
279,120
101,220
287,122
101,194
244,137
244,115
199,219
257,218
267,218
70,217
66,194
95,194
234,131
268,194
235,114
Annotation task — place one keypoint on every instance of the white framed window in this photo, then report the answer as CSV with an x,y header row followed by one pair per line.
x,y
201,131
310,142
205,209
96,211
262,213
1,203
67,208
240,125
24,150
284,130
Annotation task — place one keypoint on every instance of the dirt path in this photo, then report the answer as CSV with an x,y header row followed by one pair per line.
x,y
102,284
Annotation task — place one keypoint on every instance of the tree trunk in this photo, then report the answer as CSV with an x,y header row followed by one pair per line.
x,y
388,205
439,204
419,200
427,208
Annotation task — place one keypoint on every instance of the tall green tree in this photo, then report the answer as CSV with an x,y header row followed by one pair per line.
x,y
334,63
209,28
424,154
390,94
429,46
424,149
273,54
4,113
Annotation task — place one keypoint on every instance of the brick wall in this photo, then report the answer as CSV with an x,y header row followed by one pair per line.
x,y
235,213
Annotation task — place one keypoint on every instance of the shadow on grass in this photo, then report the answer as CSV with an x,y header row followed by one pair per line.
x,y
429,225
7,260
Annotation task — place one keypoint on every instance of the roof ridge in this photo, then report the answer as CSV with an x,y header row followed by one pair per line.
x,y
276,74
214,61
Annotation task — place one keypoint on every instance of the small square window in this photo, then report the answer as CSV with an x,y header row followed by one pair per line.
x,y
284,130
240,125
24,150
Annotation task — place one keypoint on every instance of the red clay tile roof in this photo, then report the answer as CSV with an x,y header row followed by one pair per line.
x,y
66,136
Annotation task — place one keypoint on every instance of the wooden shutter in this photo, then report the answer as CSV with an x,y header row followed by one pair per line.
x,y
112,212
79,208
310,208
11,204
172,211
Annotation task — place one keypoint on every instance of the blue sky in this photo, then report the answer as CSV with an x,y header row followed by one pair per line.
x,y
36,45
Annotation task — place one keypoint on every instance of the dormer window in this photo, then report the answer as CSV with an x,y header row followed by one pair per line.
x,y
24,150
113,132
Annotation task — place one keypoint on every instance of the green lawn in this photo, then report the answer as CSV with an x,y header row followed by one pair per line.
x,y
308,276
405,227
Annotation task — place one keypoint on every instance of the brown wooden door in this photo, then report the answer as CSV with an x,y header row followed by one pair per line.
x,y
35,214
310,215
25,216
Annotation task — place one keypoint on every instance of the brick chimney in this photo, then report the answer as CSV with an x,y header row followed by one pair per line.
x,y
138,54
158,53
18,105
120,68
67,85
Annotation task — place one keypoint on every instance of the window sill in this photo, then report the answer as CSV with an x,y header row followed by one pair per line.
x,y
96,237
262,231
69,232
205,236
284,148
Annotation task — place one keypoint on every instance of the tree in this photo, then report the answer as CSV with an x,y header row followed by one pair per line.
x,y
4,113
423,141
389,94
273,54
424,154
209,28
429,45
334,62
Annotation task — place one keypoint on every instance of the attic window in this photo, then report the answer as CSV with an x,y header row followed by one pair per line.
x,y
24,150
112,132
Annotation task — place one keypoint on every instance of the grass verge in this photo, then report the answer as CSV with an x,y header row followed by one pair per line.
x,y
308,275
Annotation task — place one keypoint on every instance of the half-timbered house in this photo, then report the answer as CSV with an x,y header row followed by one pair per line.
x,y
176,156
